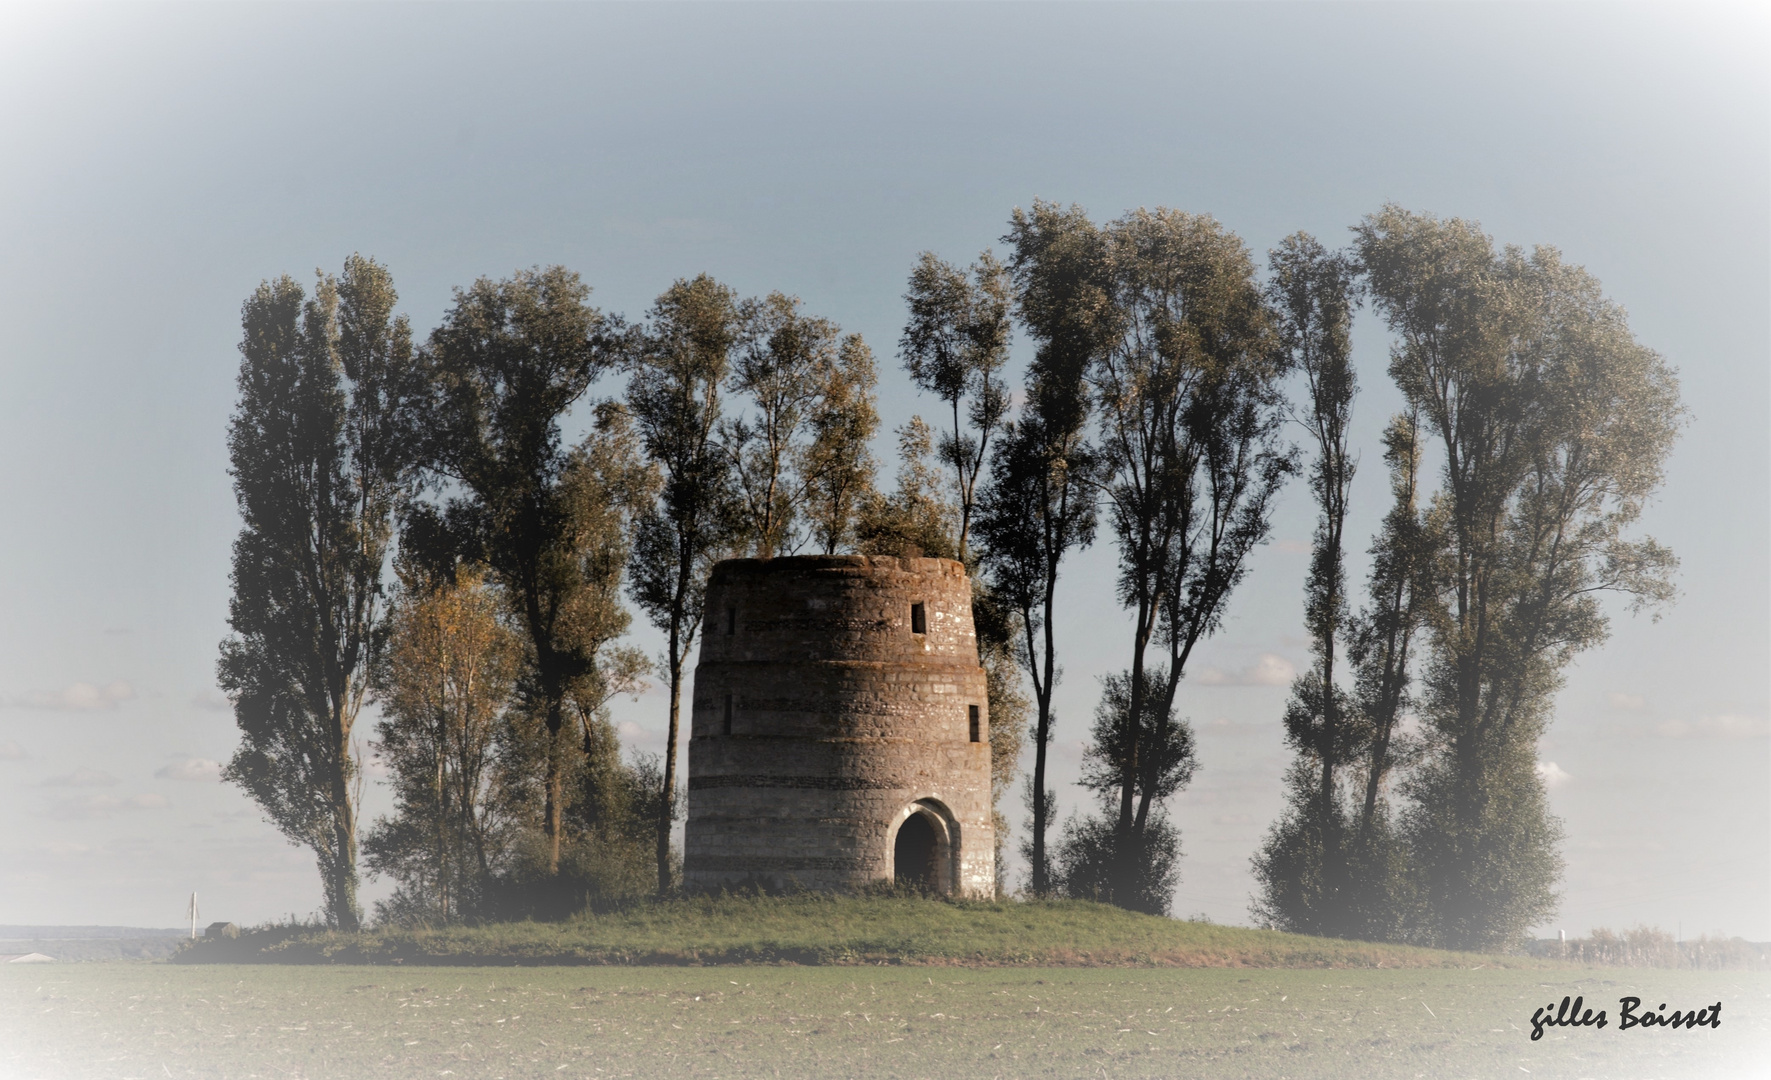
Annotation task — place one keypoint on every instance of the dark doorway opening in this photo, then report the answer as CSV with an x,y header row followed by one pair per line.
x,y
913,855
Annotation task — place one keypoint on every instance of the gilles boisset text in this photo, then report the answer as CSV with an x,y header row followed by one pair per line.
x,y
1569,1014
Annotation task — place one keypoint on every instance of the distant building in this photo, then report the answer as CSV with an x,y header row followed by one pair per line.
x,y
839,734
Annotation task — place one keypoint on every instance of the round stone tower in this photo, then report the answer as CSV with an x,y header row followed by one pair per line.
x,y
839,733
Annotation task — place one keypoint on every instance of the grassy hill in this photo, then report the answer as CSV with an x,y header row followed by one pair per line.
x,y
817,929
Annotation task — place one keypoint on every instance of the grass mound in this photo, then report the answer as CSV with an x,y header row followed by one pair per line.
x,y
822,930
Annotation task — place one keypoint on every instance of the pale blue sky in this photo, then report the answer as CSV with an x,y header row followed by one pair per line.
x,y
157,162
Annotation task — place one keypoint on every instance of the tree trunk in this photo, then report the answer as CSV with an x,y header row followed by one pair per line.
x,y
666,808
552,812
1042,689
1125,854
343,870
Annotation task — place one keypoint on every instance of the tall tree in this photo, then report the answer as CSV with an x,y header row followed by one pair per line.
x,y
954,346
509,360
448,674
1189,417
1554,424
678,365
839,463
1382,652
318,446
799,456
1041,502
1304,866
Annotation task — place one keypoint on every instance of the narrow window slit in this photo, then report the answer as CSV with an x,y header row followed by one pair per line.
x,y
731,620
729,713
972,718
919,620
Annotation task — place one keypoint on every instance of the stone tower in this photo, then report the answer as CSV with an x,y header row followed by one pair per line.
x,y
839,733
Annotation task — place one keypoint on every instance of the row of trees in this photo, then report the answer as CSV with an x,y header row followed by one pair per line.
x,y
1156,392
1548,424
744,429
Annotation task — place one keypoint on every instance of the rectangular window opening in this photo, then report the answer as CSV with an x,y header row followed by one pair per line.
x,y
728,714
919,620
972,717
731,620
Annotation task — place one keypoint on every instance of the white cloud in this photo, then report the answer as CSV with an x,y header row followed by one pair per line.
x,y
195,768
1269,669
1627,702
82,777
1552,774
102,806
1719,726
11,751
78,697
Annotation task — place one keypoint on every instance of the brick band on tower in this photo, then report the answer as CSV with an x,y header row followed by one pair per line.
x,y
839,733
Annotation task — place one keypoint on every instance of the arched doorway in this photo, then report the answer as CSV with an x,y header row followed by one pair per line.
x,y
915,860
924,848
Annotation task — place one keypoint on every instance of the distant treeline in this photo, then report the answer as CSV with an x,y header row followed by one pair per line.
x,y
1652,947
417,533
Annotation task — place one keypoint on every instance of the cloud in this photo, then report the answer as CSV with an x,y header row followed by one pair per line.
x,y
78,697
1552,774
11,751
1269,669
82,778
1292,547
195,768
88,807
1627,702
211,701
1233,819
1720,726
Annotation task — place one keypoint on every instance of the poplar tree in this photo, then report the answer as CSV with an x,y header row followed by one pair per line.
x,y
510,359
319,446
799,455
1382,647
1305,865
678,365
954,345
1554,424
1040,503
1189,414
839,462
1383,634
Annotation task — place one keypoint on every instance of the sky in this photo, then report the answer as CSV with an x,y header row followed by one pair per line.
x,y
159,162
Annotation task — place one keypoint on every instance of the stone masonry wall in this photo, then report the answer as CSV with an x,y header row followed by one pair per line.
x,y
843,721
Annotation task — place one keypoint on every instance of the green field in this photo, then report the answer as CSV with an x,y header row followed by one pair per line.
x,y
97,1021
819,929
